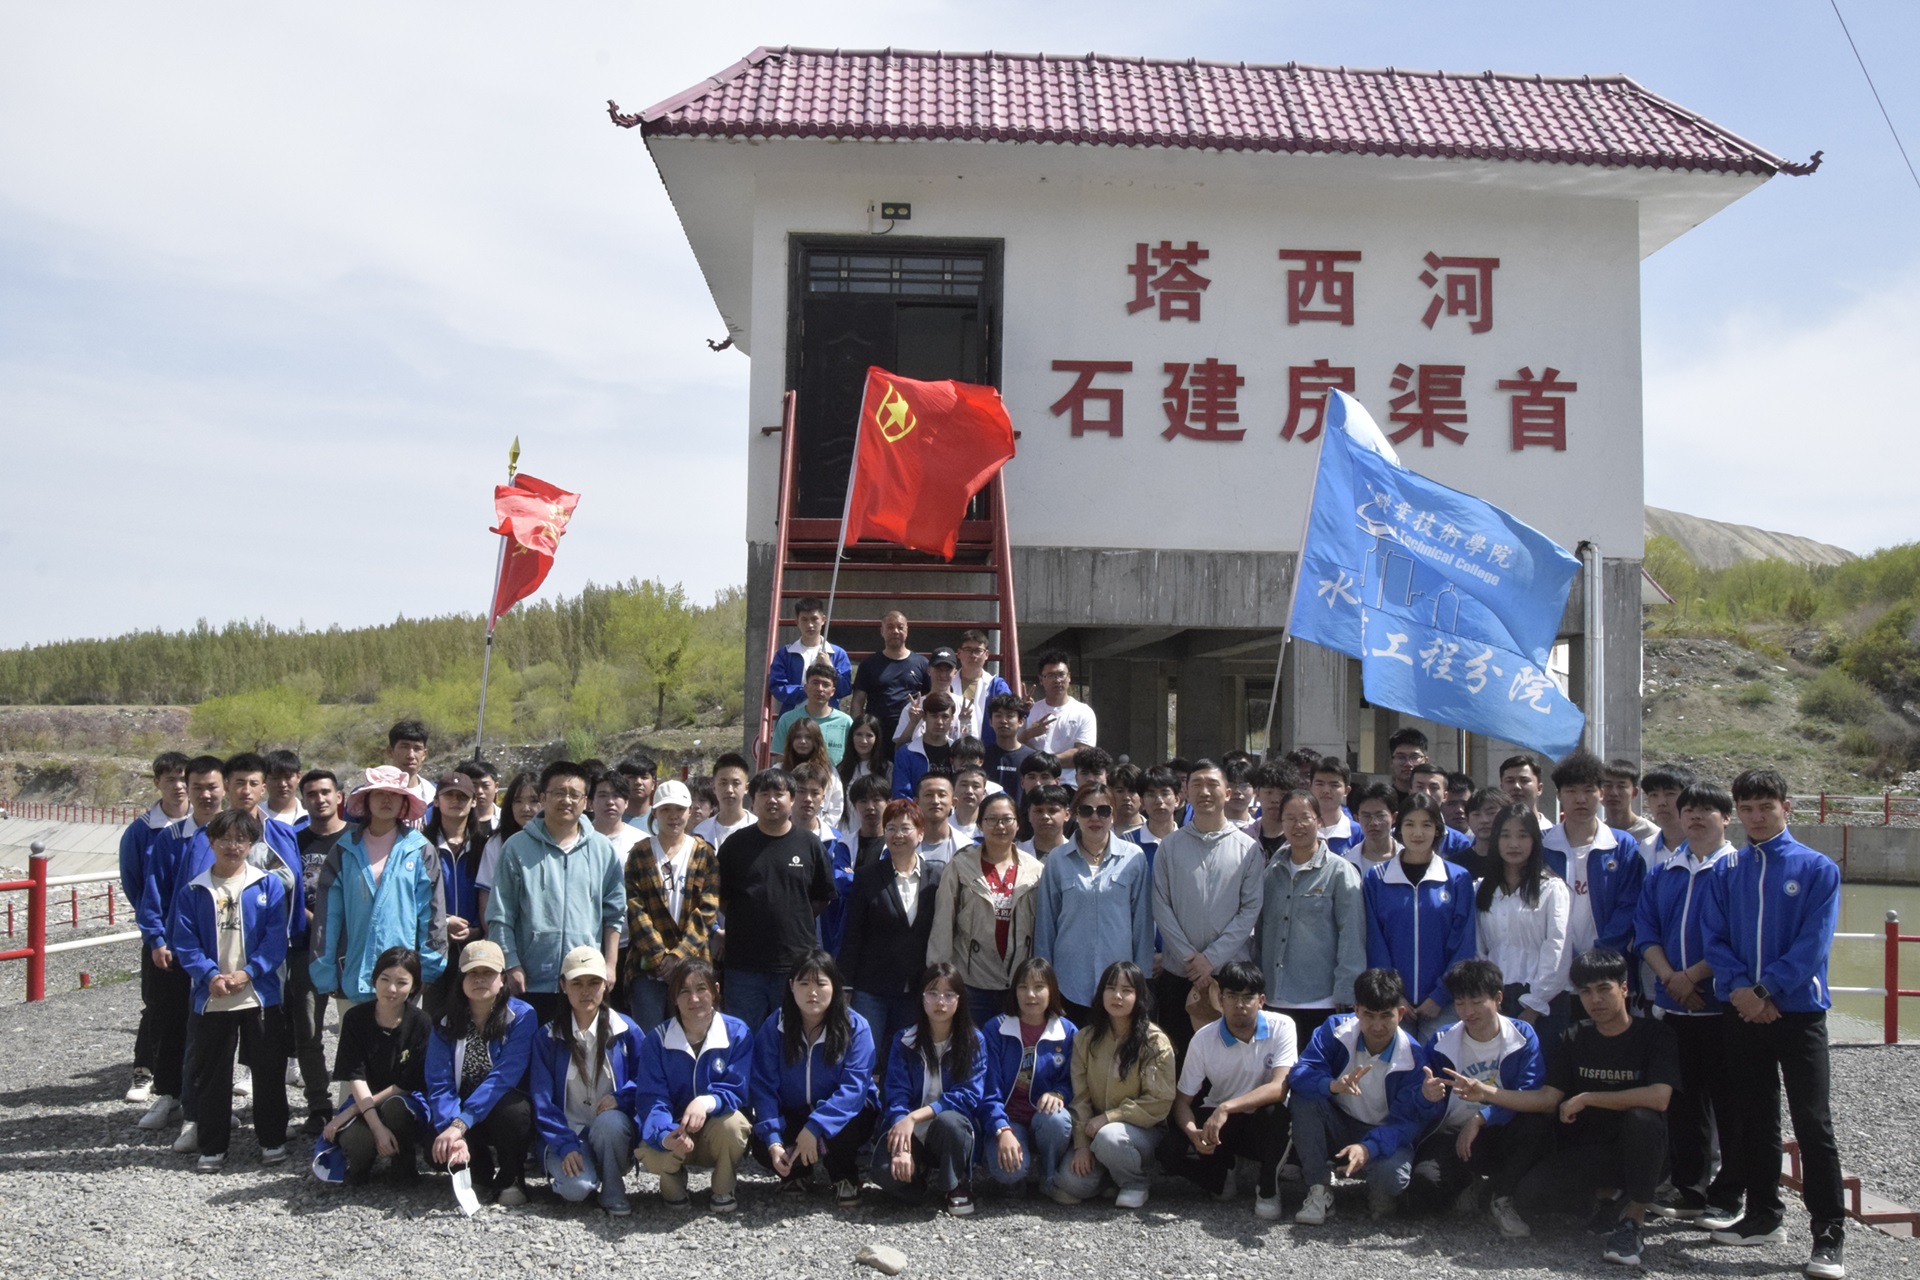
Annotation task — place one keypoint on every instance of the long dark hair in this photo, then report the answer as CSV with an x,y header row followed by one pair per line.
x,y
509,825
435,832
561,1029
960,1045
1035,967
836,1027
1532,876
456,1011
878,761
1101,1024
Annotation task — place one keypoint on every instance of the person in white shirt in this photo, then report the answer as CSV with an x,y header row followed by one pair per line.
x,y
729,782
1522,914
1242,1060
407,752
1059,723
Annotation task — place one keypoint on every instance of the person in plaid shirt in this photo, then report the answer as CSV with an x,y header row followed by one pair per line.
x,y
673,896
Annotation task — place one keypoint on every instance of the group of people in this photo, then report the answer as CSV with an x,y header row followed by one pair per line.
x,y
913,956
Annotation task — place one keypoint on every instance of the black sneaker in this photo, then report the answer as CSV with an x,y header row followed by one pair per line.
x,y
1605,1217
1751,1230
1719,1217
1824,1263
960,1200
313,1124
1623,1243
1683,1205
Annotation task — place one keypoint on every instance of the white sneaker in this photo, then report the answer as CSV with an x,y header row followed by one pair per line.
x,y
211,1164
273,1155
243,1083
1318,1208
511,1197
1266,1208
1507,1219
188,1140
162,1113
141,1090
294,1080
1131,1198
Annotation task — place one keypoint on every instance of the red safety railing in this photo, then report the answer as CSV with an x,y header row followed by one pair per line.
x,y
1891,992
40,811
35,952
39,887
1882,810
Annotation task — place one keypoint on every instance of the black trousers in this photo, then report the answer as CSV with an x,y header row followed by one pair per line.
x,y
262,1040
1170,992
169,1003
357,1145
1259,1135
306,1022
544,1003
1504,1154
143,1039
1759,1056
1080,1015
1701,1118
499,1143
1305,1021
840,1153
1621,1149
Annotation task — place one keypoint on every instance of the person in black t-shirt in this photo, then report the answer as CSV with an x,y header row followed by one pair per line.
x,y
306,1008
867,799
382,1059
889,676
1610,1079
775,878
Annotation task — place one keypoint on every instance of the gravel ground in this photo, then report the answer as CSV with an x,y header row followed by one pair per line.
x,y
83,1192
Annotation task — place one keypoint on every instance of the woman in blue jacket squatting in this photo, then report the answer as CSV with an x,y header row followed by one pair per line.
x,y
477,1074
585,1065
936,1079
1029,1080
812,1087
693,1089
1420,916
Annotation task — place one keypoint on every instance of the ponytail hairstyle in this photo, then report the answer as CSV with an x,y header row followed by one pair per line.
x,y
960,1047
561,1029
836,1028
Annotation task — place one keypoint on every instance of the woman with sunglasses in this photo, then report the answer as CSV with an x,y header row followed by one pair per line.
x,y
983,911
1094,905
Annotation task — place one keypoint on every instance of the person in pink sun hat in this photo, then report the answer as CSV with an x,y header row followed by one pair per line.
x,y
380,887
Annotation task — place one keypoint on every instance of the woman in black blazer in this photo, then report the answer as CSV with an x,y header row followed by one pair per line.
x,y
889,919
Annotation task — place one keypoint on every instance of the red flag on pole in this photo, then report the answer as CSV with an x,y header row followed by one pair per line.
x,y
925,448
533,515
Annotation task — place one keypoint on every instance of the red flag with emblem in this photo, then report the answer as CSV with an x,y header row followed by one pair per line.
x,y
925,448
533,515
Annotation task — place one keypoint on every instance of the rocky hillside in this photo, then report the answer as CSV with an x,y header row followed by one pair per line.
x,y
1714,544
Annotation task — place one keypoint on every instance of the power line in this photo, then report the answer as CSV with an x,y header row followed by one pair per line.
x,y
1876,93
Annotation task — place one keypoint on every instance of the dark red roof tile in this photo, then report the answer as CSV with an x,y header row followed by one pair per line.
x,y
1132,102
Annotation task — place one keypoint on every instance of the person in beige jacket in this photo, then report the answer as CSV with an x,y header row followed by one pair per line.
x,y
1123,1088
983,911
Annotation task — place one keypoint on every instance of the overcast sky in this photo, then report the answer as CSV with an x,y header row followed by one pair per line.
x,y
278,284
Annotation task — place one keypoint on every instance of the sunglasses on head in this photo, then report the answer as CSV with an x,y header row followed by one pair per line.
x,y
1095,811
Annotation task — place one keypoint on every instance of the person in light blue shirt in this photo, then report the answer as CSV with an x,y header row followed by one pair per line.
x,y
1095,904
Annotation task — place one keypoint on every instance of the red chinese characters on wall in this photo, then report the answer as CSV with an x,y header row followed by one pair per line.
x,y
1538,410
1430,403
1199,398
1166,275
1461,287
1319,289
1083,394
1307,388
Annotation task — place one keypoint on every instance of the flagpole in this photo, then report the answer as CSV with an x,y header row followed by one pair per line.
x,y
499,568
846,510
1268,754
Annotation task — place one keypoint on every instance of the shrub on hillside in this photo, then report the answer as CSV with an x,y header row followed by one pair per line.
x,y
1834,695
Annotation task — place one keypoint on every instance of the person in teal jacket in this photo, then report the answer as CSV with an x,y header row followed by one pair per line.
x,y
381,886
559,885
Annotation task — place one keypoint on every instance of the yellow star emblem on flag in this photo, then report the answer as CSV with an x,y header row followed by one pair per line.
x,y
894,416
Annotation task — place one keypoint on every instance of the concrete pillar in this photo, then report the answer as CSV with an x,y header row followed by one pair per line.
x,y
1313,701
754,673
1147,730
1205,718
1624,659
1110,693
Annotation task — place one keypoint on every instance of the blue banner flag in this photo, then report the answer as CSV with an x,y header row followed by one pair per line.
x,y
1451,605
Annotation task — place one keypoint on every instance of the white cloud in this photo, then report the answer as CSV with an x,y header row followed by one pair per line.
x,y
1804,427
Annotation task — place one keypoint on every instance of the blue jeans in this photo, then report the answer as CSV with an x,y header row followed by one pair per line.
x,y
647,1004
888,1016
752,995
985,1004
609,1154
1322,1126
1045,1142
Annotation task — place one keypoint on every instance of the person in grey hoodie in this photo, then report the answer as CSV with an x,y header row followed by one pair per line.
x,y
1206,900
558,886
1312,939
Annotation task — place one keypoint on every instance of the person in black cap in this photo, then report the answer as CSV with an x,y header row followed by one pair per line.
x,y
941,664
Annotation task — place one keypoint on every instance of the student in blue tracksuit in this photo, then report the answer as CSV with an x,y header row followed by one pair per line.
x,y
1027,1125
1601,866
1430,780
229,936
477,1059
693,1090
1487,1068
812,1084
1670,930
935,1087
1769,927
586,1064
1356,1098
136,842
1420,915
379,887
787,675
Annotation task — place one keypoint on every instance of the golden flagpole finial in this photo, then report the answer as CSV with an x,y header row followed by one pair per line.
x,y
513,460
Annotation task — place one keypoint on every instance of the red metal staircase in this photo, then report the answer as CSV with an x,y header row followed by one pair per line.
x,y
940,598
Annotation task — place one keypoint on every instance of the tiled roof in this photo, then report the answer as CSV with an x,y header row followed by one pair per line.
x,y
1140,102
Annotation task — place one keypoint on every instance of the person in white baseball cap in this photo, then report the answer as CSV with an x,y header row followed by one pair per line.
x,y
584,1066
673,895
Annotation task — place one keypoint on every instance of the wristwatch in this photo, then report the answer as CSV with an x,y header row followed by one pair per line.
x,y
1760,992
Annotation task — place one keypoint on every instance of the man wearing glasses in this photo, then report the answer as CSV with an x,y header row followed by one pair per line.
x,y
1405,749
559,885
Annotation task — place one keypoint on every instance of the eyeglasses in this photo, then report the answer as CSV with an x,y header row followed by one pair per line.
x,y
572,797
1095,811
1002,819
940,997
